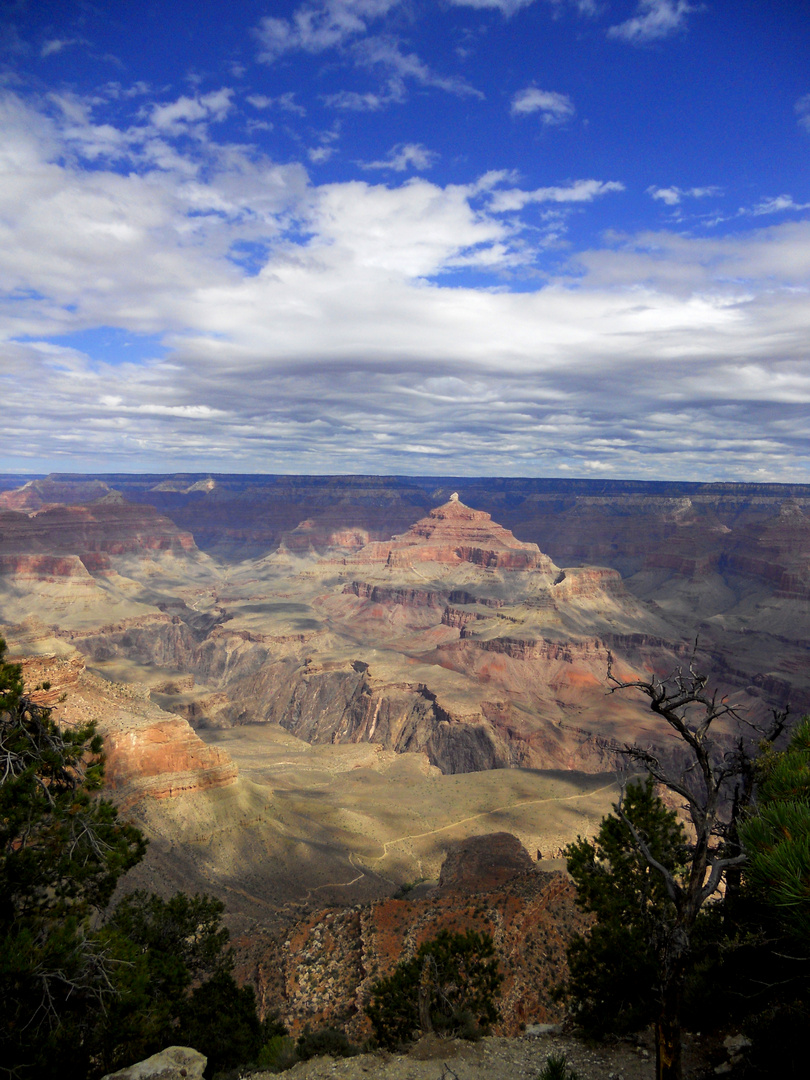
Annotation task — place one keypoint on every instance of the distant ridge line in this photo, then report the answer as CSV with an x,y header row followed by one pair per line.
x,y
513,484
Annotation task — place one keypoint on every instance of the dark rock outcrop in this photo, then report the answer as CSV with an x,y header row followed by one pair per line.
x,y
482,863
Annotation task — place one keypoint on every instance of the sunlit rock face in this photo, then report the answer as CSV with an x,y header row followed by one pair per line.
x,y
454,638
148,753
380,620
457,640
455,533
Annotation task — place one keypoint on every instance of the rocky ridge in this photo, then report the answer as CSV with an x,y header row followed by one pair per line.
x,y
453,639
454,533
319,969
149,753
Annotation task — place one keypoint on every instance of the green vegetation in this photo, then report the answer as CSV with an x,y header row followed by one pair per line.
x,y
777,836
614,969
281,1051
62,851
175,983
406,888
668,944
557,1068
449,986
770,970
85,990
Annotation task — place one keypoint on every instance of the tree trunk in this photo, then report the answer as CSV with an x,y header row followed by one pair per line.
x,y
425,996
668,1035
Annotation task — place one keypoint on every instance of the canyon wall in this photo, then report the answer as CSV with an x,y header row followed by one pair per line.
x,y
319,970
454,637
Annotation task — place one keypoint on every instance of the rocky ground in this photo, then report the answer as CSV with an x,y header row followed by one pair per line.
x,y
497,1059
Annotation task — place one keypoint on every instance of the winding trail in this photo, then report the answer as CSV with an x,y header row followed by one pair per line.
x,y
443,828
486,813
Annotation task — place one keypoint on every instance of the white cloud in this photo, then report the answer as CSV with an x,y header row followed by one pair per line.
x,y
579,191
351,344
776,205
320,154
57,45
802,109
288,103
405,156
655,19
673,196
353,101
177,115
385,53
508,7
319,26
554,108
413,231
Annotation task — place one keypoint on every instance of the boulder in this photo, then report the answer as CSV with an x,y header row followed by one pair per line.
x,y
175,1063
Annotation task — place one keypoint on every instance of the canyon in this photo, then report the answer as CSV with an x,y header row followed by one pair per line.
x,y
312,689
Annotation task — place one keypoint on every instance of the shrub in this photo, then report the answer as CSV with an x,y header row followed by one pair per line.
x,y
278,1053
449,986
557,1068
326,1040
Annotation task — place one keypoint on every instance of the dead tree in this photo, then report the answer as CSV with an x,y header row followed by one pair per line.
x,y
714,777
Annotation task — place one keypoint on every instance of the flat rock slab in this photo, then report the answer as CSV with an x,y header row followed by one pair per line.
x,y
174,1063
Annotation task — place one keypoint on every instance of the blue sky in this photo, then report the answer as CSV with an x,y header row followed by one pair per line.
x,y
512,237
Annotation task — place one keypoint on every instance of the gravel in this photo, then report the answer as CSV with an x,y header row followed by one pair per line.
x,y
490,1059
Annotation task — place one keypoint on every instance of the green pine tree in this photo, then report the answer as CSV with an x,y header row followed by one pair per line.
x,y
62,851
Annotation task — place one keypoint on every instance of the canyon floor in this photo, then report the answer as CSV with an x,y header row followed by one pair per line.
x,y
330,824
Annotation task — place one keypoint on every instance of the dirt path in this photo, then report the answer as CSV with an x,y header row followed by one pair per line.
x,y
386,844
487,813
492,1059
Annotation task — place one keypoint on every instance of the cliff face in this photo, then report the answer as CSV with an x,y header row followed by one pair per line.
x,y
53,491
320,969
454,638
110,525
149,754
163,759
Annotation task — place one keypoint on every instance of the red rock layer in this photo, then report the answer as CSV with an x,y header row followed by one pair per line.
x,y
148,752
111,527
166,759
42,567
455,533
321,969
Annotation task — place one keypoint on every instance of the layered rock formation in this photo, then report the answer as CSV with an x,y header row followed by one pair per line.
x,y
453,639
149,753
109,525
399,651
319,970
455,533
460,641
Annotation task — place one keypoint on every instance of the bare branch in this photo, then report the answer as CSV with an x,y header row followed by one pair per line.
x,y
673,888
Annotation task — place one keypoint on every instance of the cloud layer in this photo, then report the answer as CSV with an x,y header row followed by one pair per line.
x,y
378,236
295,326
